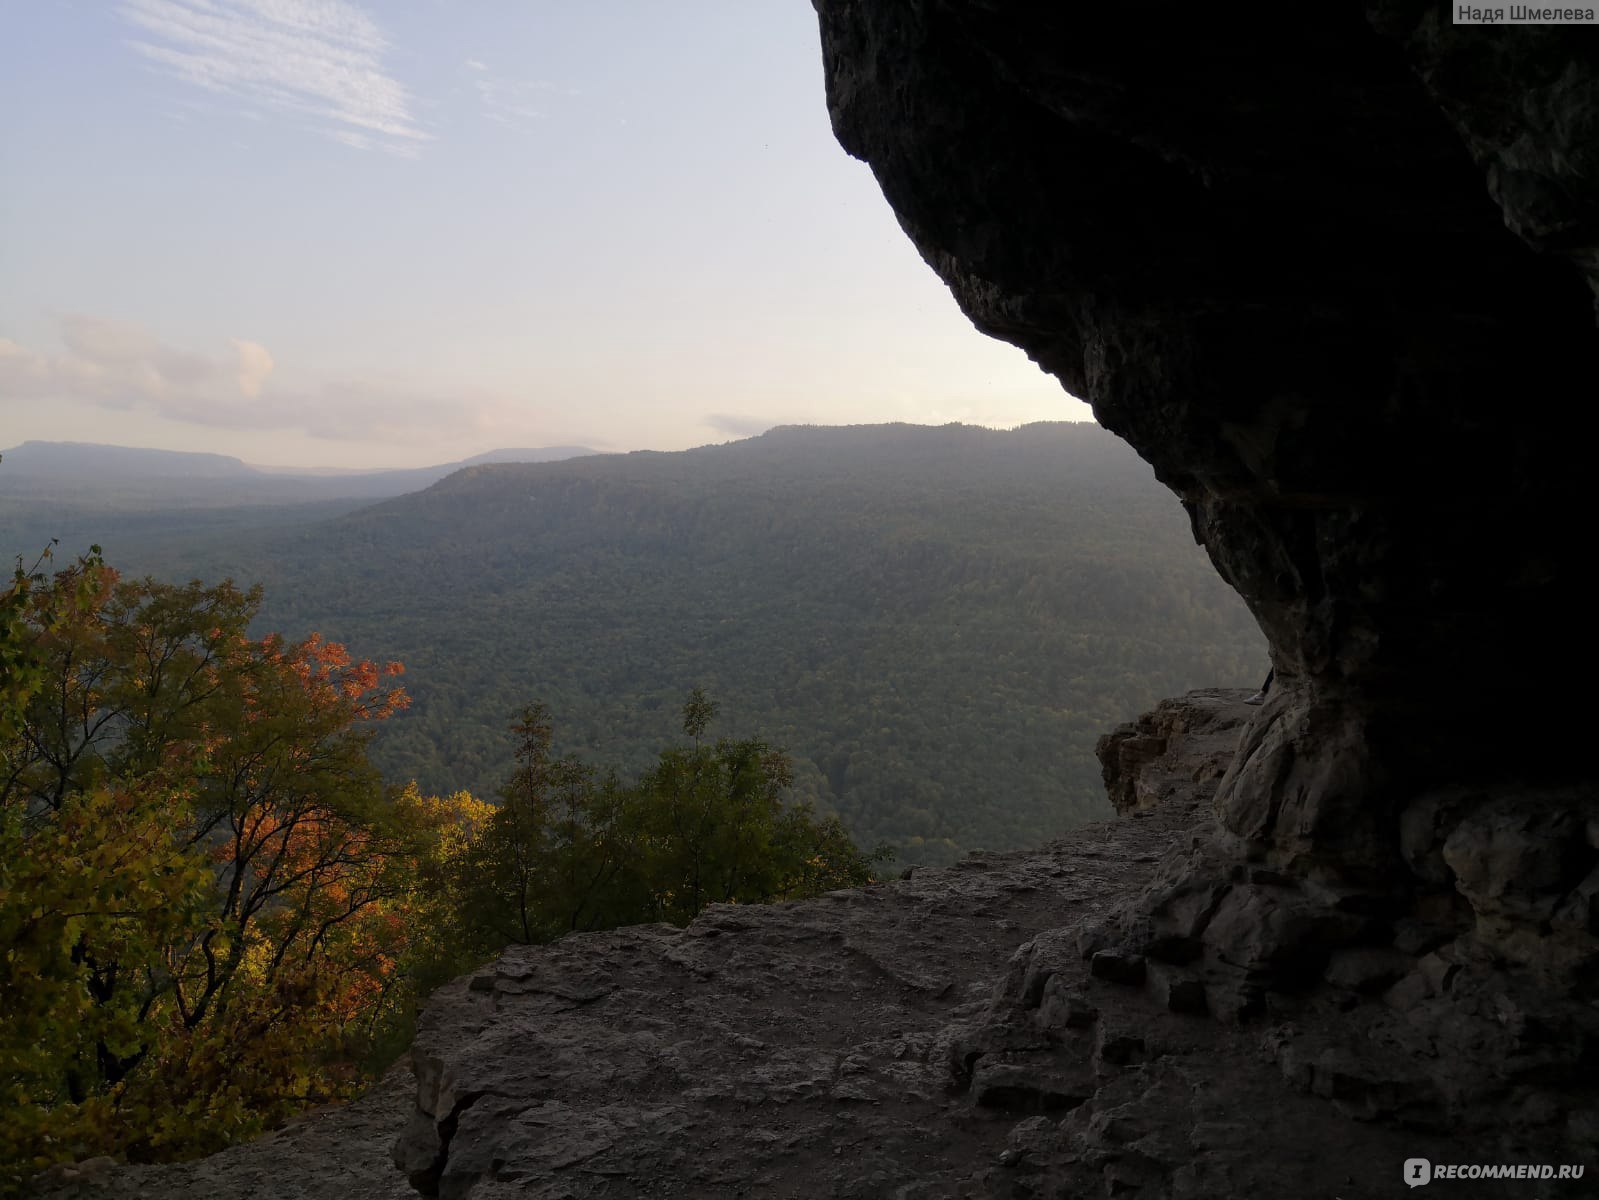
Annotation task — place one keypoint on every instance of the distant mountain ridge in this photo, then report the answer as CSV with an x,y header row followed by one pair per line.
x,y
79,471
34,459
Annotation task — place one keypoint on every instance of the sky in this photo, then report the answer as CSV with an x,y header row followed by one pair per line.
x,y
325,233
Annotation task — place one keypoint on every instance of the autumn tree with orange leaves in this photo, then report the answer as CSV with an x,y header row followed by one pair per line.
x,y
212,909
206,893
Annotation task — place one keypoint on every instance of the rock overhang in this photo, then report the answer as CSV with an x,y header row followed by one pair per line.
x,y
1329,271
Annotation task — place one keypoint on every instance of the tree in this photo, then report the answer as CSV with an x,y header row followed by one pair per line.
x,y
548,860
570,849
90,901
442,831
204,885
717,827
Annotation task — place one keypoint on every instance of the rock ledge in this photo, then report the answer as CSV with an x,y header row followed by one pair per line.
x,y
953,1034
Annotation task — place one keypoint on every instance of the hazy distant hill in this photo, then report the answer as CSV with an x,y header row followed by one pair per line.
x,y
89,464
937,622
119,496
85,472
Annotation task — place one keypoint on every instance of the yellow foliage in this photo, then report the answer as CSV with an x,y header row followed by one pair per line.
x,y
211,907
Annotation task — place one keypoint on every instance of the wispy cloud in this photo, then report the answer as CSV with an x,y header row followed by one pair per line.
x,y
513,102
124,367
318,59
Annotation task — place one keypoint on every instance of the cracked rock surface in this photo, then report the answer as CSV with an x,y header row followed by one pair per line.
x,y
789,1050
954,1034
962,1033
340,1153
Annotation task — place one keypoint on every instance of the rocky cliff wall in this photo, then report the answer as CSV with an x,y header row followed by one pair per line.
x,y
1331,272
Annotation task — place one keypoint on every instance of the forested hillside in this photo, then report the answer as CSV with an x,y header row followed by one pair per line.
x,y
159,505
936,622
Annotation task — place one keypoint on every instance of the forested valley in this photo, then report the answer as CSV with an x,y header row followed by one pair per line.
x,y
936,623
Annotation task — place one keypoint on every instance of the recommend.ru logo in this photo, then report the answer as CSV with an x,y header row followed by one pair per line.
x,y
1418,1171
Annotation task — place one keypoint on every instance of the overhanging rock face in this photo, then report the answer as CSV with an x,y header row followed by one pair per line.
x,y
1332,273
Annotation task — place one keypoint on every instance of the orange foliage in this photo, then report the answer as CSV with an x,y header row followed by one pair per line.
x,y
306,868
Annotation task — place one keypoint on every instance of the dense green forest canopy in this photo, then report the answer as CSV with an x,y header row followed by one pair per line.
x,y
936,622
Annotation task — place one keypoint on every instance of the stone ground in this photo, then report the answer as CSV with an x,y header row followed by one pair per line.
x,y
938,1036
341,1153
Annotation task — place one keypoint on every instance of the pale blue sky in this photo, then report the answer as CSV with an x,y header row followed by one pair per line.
x,y
327,233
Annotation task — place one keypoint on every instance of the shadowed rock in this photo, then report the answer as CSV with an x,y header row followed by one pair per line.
x,y
946,1036
943,1036
1332,274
